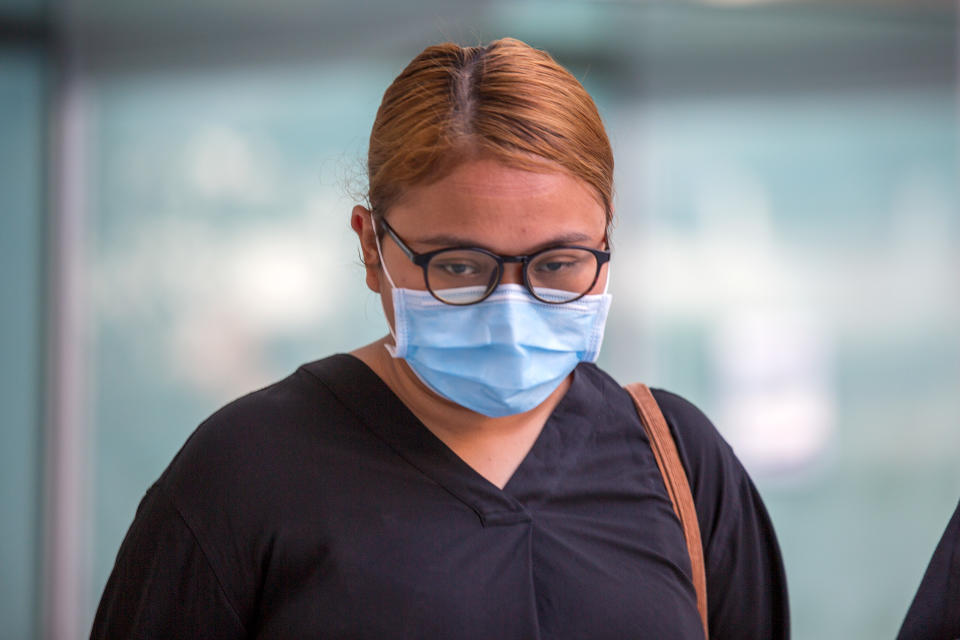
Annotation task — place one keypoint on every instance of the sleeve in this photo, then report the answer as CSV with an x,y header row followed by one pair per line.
x,y
935,611
746,583
162,584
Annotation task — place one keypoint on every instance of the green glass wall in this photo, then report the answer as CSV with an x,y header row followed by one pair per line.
x,y
22,146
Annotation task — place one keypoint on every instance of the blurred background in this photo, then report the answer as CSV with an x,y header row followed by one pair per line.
x,y
175,185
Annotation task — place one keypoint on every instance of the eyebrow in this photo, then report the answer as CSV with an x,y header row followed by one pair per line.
x,y
445,240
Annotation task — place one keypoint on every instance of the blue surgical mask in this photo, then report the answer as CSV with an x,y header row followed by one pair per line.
x,y
498,357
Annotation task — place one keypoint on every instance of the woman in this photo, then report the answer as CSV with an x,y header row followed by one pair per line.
x,y
472,474
935,611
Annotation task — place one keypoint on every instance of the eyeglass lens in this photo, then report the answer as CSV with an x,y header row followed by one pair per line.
x,y
463,276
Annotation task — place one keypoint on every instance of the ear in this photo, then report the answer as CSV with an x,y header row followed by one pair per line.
x,y
361,221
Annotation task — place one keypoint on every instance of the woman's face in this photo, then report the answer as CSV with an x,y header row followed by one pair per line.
x,y
483,203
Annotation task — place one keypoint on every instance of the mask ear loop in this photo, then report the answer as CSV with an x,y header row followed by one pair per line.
x,y
383,263
391,348
606,286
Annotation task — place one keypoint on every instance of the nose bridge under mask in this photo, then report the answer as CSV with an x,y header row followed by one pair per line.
x,y
503,317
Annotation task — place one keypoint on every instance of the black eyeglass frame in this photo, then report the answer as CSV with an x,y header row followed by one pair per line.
x,y
422,260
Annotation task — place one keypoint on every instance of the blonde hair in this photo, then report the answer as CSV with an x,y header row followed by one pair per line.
x,y
505,100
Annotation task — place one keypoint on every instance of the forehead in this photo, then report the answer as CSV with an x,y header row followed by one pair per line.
x,y
484,194
491,179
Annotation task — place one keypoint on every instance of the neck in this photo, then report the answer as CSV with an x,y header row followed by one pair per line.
x,y
494,447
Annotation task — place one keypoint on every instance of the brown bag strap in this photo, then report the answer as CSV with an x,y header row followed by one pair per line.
x,y
678,488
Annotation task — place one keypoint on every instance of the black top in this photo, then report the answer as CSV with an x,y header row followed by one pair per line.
x,y
935,612
320,507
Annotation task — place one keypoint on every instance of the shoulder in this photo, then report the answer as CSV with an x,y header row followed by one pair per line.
x,y
266,418
690,426
293,407
251,453
705,454
743,560
703,450
255,466
718,480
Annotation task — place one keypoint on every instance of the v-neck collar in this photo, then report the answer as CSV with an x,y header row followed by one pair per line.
x,y
557,447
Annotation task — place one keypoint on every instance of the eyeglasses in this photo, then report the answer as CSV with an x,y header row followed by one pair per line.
x,y
462,276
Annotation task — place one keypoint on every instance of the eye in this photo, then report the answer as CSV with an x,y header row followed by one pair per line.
x,y
458,268
554,266
557,262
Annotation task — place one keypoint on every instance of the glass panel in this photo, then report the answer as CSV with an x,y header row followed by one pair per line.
x,y
21,324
